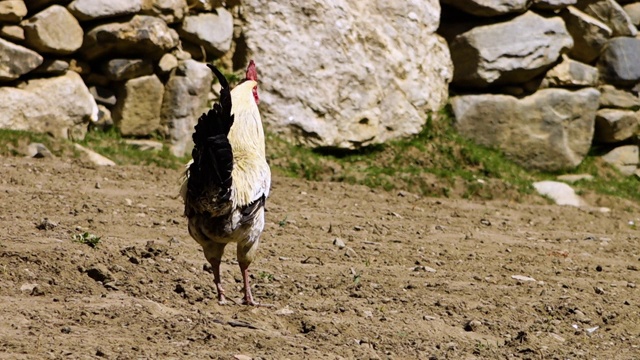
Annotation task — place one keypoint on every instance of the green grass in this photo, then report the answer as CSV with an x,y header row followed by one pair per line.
x,y
435,162
87,238
112,145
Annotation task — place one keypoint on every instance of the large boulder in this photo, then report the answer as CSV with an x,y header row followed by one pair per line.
x,y
16,60
488,8
54,31
571,73
141,35
185,99
610,13
125,69
550,130
633,10
87,10
171,11
384,70
137,112
509,52
615,125
213,31
61,106
589,34
612,97
619,63
12,11
624,158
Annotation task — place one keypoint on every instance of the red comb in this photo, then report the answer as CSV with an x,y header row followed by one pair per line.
x,y
252,74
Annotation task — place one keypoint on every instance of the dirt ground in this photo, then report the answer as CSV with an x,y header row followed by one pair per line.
x,y
415,277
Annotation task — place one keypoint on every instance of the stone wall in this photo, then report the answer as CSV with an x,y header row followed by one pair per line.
x,y
332,73
68,65
543,80
547,80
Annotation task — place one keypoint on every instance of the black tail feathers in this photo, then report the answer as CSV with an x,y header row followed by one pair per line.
x,y
212,153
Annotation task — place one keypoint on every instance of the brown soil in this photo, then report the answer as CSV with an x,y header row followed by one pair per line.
x,y
419,278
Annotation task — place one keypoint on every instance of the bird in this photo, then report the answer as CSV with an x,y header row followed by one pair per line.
x,y
227,181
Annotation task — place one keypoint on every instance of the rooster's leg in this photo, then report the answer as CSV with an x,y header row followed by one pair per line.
x,y
213,252
246,253
248,298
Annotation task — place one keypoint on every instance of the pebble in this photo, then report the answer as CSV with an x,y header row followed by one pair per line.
x,y
522,278
472,325
350,252
339,243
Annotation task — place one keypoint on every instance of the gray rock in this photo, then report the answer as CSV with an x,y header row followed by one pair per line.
x,y
52,67
105,121
12,11
125,69
614,125
185,99
571,73
97,160
213,31
385,70
16,60
103,95
561,194
53,31
12,32
624,158
38,151
509,52
610,13
589,34
142,35
61,106
167,63
88,10
171,11
550,130
488,8
137,112
633,10
611,97
552,4
619,63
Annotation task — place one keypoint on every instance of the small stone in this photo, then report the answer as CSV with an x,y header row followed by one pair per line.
x,y
284,311
429,318
350,252
598,268
28,287
37,291
522,278
98,186
46,224
599,290
339,243
472,325
242,357
65,330
38,151
99,273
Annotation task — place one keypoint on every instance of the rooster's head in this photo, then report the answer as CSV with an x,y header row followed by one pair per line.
x,y
252,74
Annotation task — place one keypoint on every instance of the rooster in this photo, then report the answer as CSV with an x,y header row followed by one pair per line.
x,y
227,183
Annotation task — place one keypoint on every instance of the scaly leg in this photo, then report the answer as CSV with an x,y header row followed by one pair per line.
x,y
248,298
213,252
